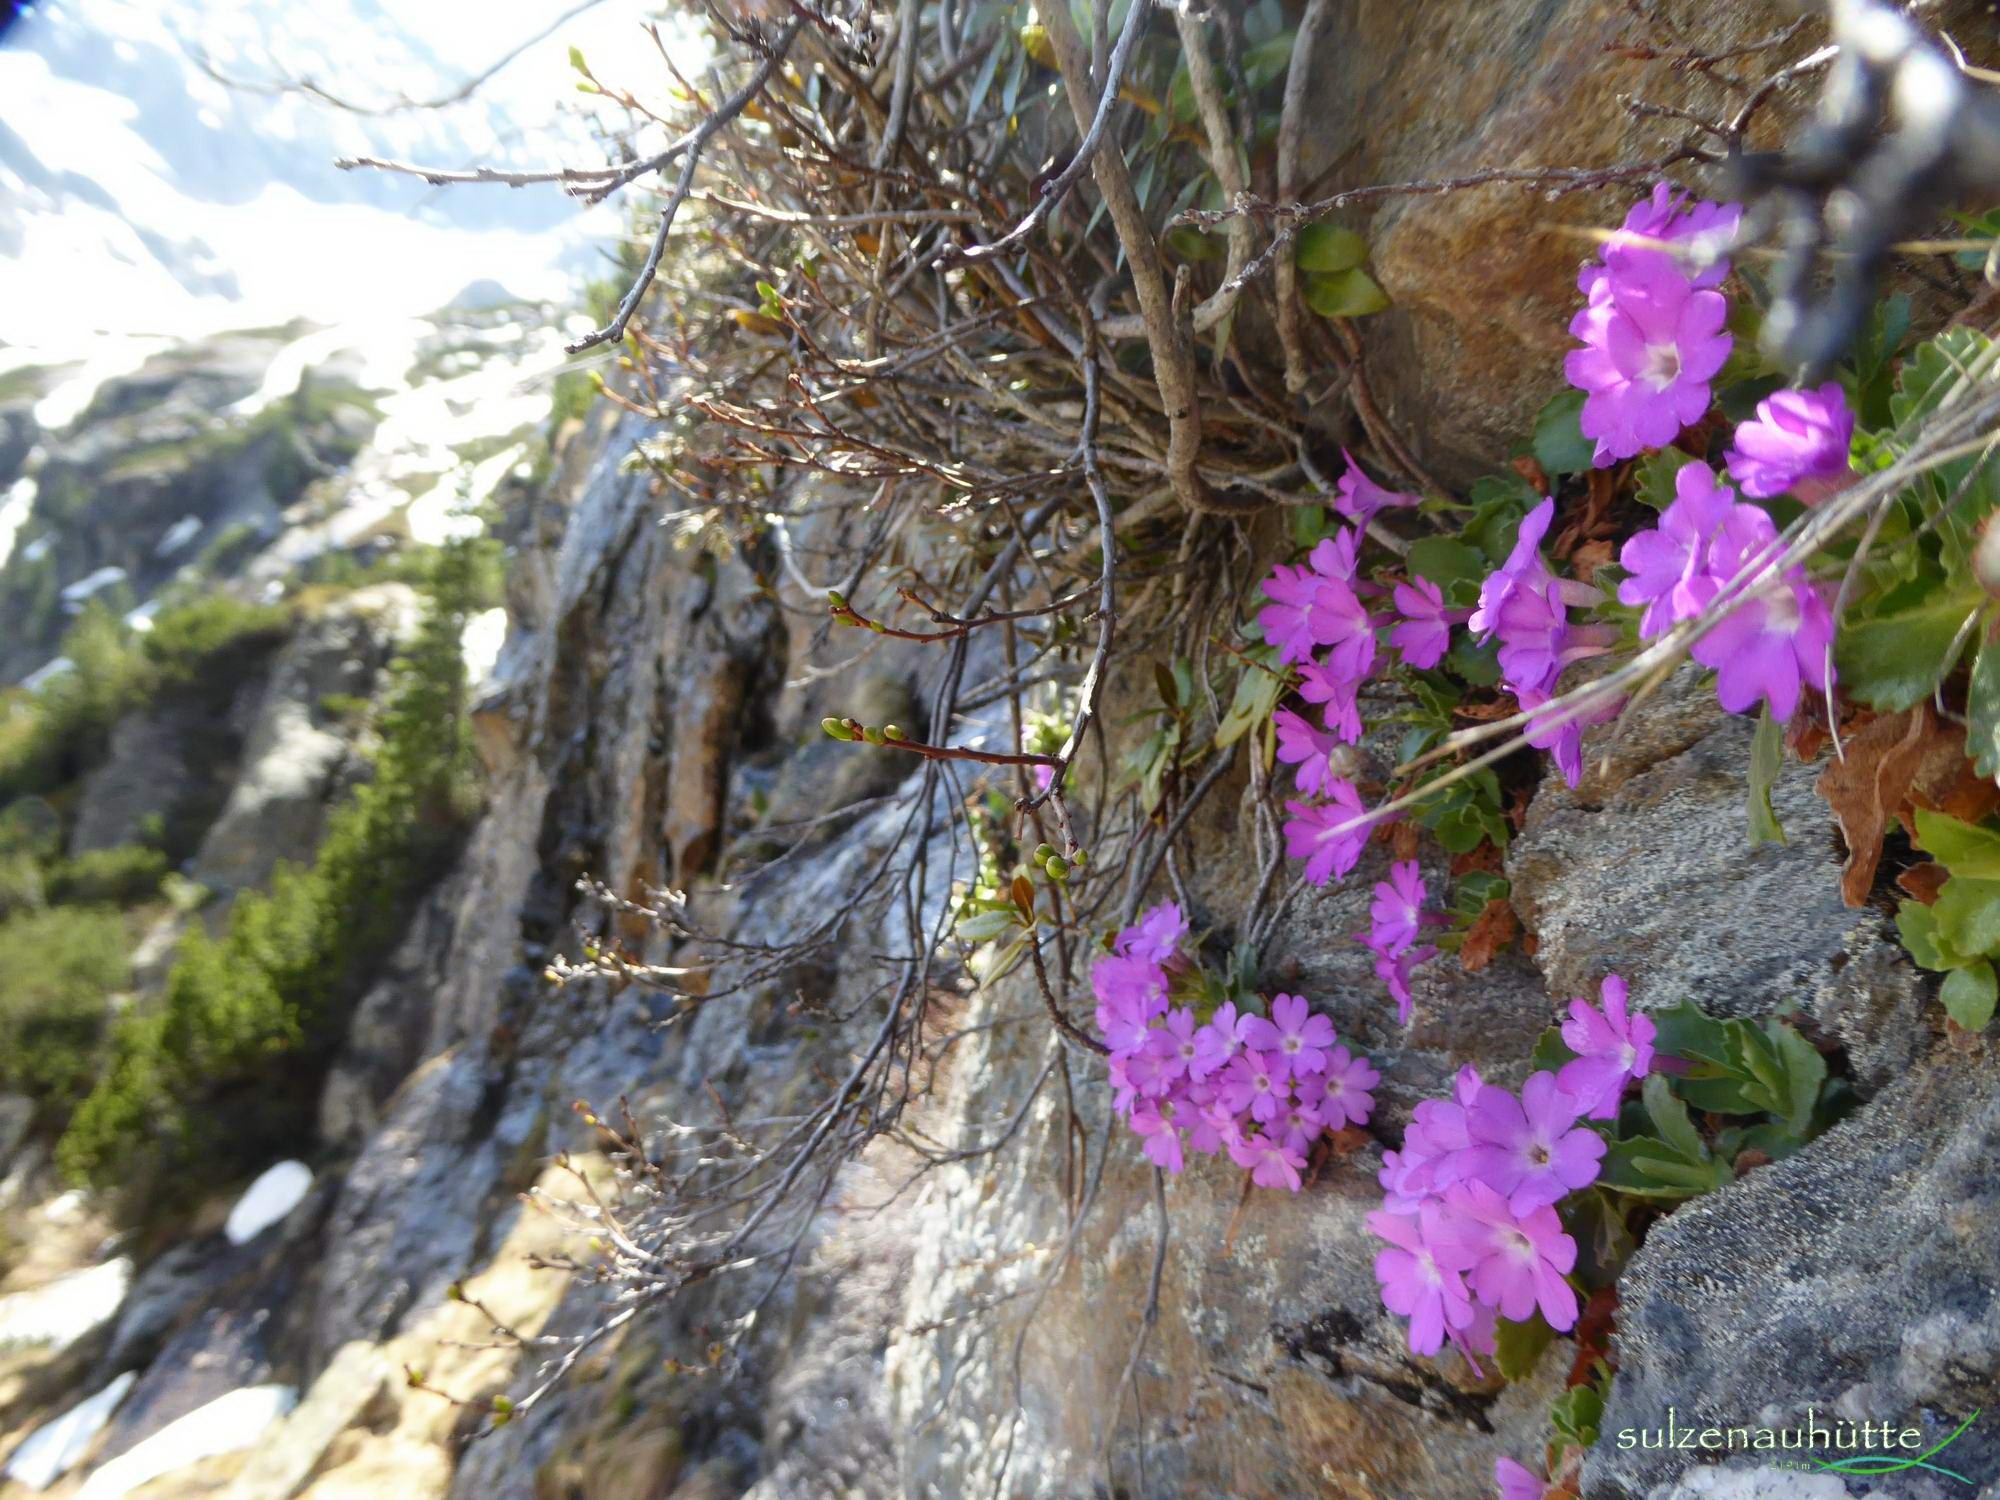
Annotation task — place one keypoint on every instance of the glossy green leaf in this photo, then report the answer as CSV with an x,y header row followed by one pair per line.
x,y
1766,758
1327,248
1657,474
1560,446
1962,848
1670,1118
1892,662
1345,294
1517,1347
1968,915
1968,995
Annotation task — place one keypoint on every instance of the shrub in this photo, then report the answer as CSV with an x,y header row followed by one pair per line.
x,y
189,641
61,967
124,876
228,1067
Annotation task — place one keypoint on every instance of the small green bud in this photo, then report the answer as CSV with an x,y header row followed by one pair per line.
x,y
455,1292
873,736
1080,858
892,732
837,599
1057,867
836,728
1044,853
502,1405
878,627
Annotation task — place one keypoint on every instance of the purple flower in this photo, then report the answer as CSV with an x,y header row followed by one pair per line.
x,y
1130,992
1358,497
1301,745
1563,741
1416,1281
1298,1125
1155,936
1433,1146
1531,1148
1338,696
1293,1033
1329,836
1316,606
1774,642
1670,563
1652,343
1256,1082
1611,1046
1271,1163
1174,1045
1797,436
1514,1482
1154,1122
1704,228
1338,556
1217,1042
1523,569
1517,1262
1424,633
1394,970
1346,1089
1397,910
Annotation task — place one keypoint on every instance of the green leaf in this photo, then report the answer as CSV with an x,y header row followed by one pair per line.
x,y
1892,662
1257,693
1968,995
1686,1031
1576,1413
1551,1051
1917,924
1328,248
1345,294
1445,561
1982,710
1560,446
1962,848
1766,757
1517,1347
576,61
1657,475
1805,1071
1670,1118
1968,915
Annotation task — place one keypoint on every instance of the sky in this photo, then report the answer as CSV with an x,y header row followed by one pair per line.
x,y
139,195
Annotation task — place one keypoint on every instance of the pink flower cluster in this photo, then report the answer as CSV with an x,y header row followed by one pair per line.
x,y
1396,917
1772,644
1469,1214
1262,1088
1528,607
1318,621
1652,325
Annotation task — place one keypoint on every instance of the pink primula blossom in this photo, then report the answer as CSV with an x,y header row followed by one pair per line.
x,y
1514,1482
1417,1282
1293,1033
1530,1148
1652,343
1310,749
1516,1262
1396,912
1670,564
1776,642
1423,633
1271,1163
1338,697
1798,443
1358,497
1612,1046
1329,836
1346,1090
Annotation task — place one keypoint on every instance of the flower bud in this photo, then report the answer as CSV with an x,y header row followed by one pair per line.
x,y
1057,867
892,732
873,736
836,599
1044,853
836,728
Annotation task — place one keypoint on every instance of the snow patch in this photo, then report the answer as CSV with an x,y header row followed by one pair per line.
x,y
58,1313
485,633
225,1425
79,593
14,513
267,1200
52,1449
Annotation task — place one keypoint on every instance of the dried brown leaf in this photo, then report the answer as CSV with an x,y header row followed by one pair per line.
x,y
1492,930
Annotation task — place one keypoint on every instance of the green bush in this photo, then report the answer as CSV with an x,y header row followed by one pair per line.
x,y
228,1067
54,734
60,967
189,641
124,876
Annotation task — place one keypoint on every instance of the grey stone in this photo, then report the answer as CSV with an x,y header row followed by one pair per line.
x,y
1860,1276
1646,870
